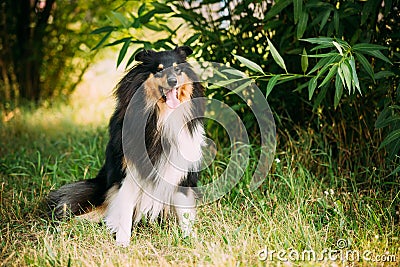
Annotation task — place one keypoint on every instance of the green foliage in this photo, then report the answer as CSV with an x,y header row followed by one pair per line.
x,y
277,57
389,119
67,51
129,21
342,78
45,47
342,65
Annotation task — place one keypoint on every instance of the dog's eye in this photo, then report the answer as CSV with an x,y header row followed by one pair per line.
x,y
177,70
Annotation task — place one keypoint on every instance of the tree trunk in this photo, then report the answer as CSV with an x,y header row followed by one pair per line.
x,y
38,38
6,80
22,56
28,50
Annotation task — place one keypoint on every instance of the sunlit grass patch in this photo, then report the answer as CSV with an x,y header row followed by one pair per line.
x,y
301,206
294,210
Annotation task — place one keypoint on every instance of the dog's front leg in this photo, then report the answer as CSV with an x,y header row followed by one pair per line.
x,y
120,211
185,209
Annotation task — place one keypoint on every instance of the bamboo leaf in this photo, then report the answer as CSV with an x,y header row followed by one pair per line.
x,y
297,9
391,137
383,74
193,38
121,18
332,71
284,79
311,87
347,75
323,70
249,64
356,83
141,9
336,21
330,54
145,18
276,9
321,95
338,47
320,40
153,27
365,64
241,87
223,83
103,29
220,74
105,37
325,61
383,117
387,122
161,8
322,46
120,41
378,54
301,86
340,72
278,59
367,9
386,118
271,84
234,72
123,51
393,149
302,26
338,90
325,19
365,47
304,61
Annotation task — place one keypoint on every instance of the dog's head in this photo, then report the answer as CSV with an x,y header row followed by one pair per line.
x,y
169,82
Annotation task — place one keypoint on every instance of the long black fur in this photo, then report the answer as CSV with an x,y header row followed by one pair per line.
x,y
79,197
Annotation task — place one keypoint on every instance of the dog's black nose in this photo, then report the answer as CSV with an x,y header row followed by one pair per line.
x,y
172,81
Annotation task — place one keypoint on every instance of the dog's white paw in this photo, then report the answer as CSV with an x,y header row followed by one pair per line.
x,y
122,239
123,244
188,233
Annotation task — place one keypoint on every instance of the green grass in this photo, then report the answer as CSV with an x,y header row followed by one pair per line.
x,y
302,205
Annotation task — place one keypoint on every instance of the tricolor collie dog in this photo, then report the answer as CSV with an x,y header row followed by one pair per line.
x,y
154,153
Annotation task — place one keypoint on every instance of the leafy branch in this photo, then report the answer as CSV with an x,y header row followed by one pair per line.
x,y
338,65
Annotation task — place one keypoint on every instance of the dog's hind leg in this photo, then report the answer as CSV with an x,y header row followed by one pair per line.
x,y
185,209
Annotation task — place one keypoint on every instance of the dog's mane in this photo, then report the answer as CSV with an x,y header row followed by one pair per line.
x,y
130,91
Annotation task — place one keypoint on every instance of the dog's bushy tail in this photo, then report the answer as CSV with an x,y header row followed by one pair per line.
x,y
76,198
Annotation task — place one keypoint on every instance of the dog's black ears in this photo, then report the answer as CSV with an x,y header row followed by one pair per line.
x,y
142,55
184,51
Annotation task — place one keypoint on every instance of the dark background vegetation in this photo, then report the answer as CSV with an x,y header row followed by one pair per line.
x,y
47,45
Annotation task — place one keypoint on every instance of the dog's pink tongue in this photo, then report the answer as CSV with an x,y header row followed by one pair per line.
x,y
172,100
